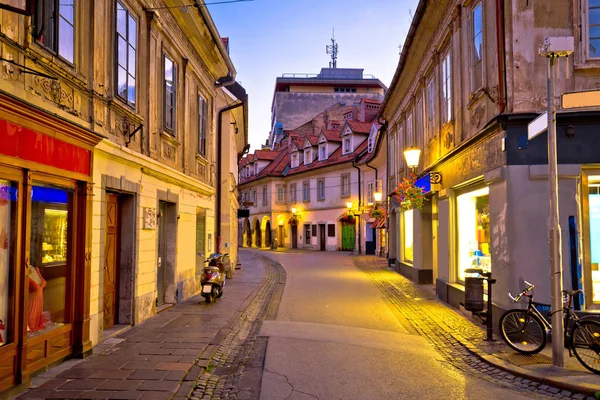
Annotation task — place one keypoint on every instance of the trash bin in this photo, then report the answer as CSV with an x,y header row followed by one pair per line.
x,y
474,294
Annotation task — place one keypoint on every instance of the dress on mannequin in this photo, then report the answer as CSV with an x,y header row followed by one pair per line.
x,y
36,299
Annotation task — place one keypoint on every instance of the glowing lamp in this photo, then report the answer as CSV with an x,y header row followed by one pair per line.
x,y
349,205
293,210
377,196
412,157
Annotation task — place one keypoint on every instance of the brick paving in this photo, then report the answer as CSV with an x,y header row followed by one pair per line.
x,y
441,325
191,347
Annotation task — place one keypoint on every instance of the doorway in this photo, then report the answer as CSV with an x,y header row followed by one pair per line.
x,y
111,261
370,241
268,234
165,271
322,236
280,236
348,236
294,235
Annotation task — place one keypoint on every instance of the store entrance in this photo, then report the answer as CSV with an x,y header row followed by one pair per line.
x,y
167,242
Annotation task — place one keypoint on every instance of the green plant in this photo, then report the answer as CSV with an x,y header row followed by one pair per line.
x,y
377,213
408,194
347,218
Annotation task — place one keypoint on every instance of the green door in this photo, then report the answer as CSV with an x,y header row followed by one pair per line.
x,y
348,236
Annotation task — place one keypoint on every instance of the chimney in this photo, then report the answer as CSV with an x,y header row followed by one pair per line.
x,y
361,117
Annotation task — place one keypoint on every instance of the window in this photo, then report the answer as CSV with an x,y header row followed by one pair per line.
x,y
594,232
331,230
57,37
347,147
392,155
594,28
247,171
419,122
264,195
126,46
322,152
305,191
446,89
408,235
306,234
477,48
473,210
410,133
314,230
370,193
430,107
321,189
346,185
281,194
400,148
307,156
344,90
51,222
295,160
256,168
371,143
170,93
293,193
8,220
254,203
201,126
201,239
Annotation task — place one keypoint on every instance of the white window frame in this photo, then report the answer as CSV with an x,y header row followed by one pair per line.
x,y
322,151
370,193
345,185
295,162
256,168
446,85
281,194
392,155
306,191
586,27
430,106
264,193
130,95
419,121
254,197
410,131
321,189
293,193
400,148
347,145
307,156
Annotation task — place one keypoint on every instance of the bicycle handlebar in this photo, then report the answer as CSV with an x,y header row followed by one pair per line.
x,y
523,293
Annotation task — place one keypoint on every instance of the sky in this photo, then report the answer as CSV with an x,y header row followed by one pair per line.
x,y
268,38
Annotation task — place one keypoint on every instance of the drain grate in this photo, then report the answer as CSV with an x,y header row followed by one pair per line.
x,y
522,359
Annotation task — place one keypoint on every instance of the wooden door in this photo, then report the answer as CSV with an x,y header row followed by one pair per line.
x,y
348,236
162,253
294,236
322,236
111,259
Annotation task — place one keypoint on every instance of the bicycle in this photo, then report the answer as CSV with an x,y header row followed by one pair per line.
x,y
526,331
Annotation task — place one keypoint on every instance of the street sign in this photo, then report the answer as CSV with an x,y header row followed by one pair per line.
x,y
537,126
588,98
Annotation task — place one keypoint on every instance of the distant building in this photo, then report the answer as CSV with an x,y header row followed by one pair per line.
x,y
299,97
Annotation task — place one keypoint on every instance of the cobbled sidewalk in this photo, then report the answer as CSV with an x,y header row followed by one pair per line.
x,y
445,328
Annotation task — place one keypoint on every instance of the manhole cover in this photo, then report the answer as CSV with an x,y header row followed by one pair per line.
x,y
522,359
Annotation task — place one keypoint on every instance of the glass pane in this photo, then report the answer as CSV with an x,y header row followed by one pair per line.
x,y
8,198
408,235
46,24
477,20
595,31
131,61
65,40
594,15
66,9
132,32
131,90
594,201
121,20
594,3
49,267
122,83
474,231
122,52
168,70
595,48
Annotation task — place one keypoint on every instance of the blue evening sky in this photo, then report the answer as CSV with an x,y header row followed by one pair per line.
x,y
268,38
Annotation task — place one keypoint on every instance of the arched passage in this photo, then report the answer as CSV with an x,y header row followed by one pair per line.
x,y
268,234
257,234
246,233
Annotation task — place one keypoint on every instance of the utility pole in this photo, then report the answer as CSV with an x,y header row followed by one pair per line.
x,y
553,48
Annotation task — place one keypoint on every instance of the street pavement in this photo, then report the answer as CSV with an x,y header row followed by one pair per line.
x,y
337,336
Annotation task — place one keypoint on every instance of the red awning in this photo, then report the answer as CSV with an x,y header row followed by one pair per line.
x,y
379,223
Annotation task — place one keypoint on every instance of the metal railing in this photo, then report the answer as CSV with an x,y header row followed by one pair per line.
x,y
318,76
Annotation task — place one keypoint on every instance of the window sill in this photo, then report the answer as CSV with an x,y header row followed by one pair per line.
x,y
343,196
172,140
475,97
588,65
306,201
321,199
202,160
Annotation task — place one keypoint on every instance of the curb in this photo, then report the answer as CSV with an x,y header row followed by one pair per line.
x,y
561,383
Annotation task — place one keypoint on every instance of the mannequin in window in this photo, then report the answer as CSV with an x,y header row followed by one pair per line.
x,y
36,299
2,328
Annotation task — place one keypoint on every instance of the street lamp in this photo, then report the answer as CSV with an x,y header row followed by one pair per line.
x,y
294,211
377,197
412,157
349,205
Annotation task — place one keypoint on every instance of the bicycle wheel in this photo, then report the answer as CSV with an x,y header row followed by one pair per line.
x,y
585,342
522,331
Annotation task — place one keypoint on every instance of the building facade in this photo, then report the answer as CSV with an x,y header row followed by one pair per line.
x,y
468,83
298,194
108,162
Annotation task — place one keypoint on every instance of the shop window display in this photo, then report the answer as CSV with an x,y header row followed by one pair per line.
x,y
48,267
8,197
408,235
594,202
474,231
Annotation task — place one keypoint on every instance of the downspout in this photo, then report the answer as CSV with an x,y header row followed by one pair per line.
x,y
219,169
359,205
387,195
501,55
375,169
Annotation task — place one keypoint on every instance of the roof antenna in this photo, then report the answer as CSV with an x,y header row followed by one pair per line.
x,y
333,50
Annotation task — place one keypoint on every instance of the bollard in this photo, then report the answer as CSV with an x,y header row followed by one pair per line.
x,y
477,308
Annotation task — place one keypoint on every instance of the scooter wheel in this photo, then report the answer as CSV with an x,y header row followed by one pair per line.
x,y
220,293
215,292
208,298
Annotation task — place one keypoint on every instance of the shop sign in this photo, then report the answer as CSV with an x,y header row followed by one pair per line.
x,y
149,218
26,144
429,182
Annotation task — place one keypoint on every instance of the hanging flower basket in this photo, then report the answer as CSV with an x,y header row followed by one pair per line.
x,y
377,212
408,194
293,220
347,218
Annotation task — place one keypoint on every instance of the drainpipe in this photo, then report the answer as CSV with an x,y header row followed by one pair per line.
x,y
387,195
501,55
219,168
359,205
375,169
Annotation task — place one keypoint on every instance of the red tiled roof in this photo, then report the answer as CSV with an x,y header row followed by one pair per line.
x,y
334,159
265,154
250,158
332,136
360,127
372,101
311,139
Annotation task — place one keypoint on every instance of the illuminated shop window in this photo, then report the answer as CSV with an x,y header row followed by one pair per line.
x,y
594,217
473,231
8,198
408,235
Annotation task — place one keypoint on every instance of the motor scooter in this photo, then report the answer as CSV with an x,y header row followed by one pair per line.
x,y
213,277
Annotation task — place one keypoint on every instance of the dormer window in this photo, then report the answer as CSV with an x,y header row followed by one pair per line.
x,y
295,162
348,116
347,146
307,156
247,171
255,168
371,144
322,151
